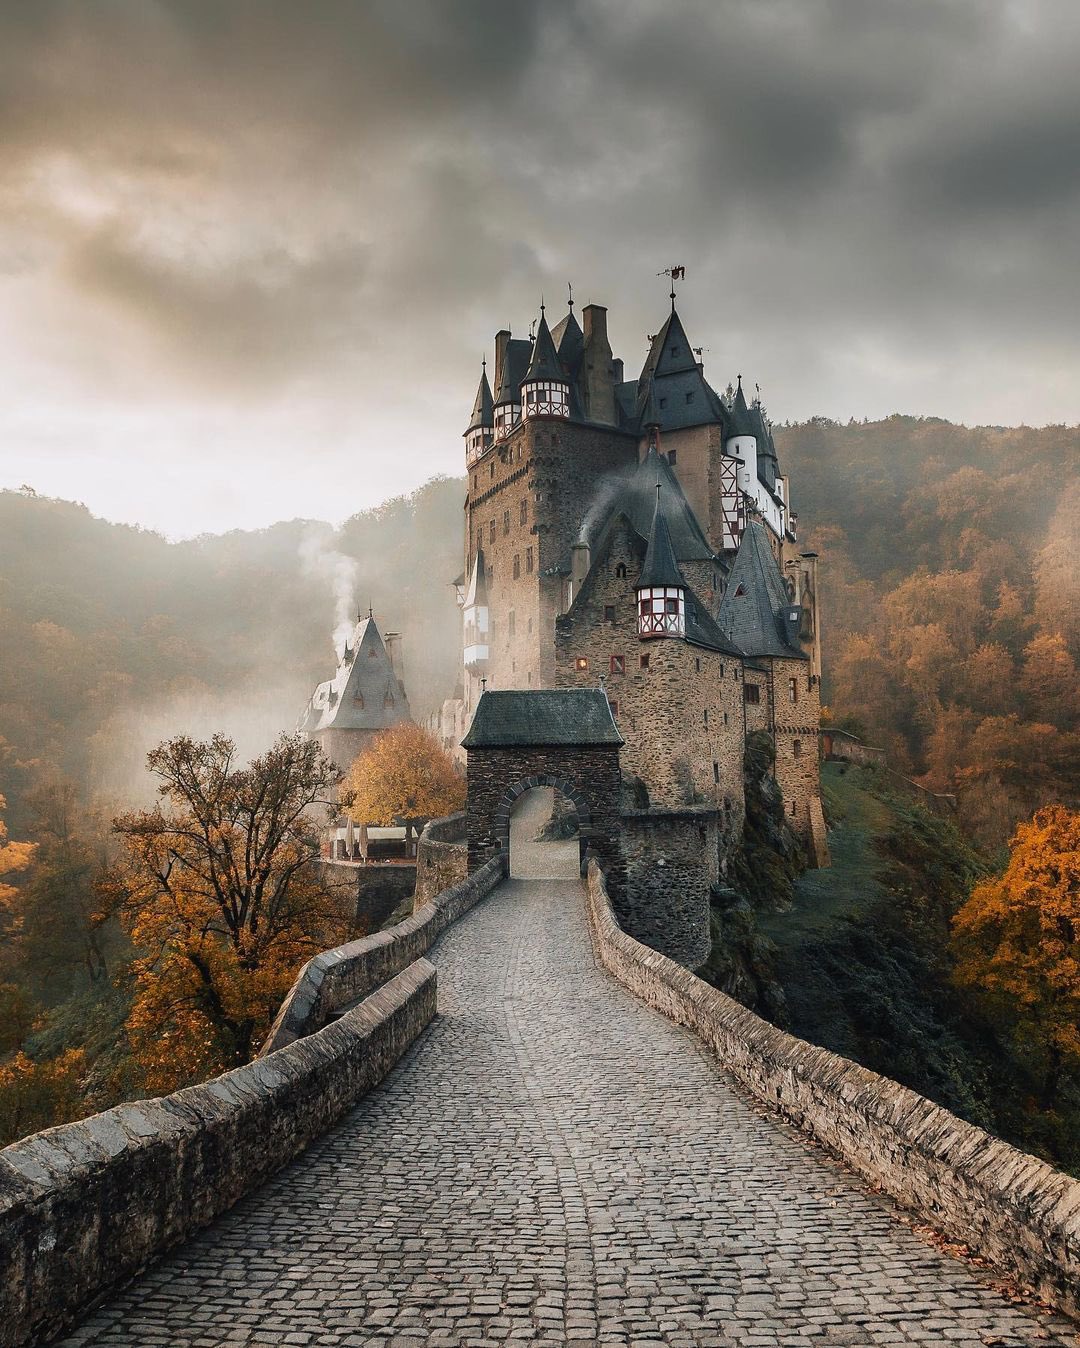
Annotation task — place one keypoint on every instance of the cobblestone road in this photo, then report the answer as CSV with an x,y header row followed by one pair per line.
x,y
554,1161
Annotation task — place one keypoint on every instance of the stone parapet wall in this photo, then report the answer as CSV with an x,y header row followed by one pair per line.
x,y
374,889
1008,1207
337,977
442,858
85,1206
671,865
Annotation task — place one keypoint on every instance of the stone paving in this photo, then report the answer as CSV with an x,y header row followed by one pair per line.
x,y
554,1162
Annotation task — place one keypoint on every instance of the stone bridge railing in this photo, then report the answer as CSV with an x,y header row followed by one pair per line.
x,y
442,857
85,1206
1006,1206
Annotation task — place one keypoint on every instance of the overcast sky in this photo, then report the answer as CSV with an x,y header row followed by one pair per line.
x,y
251,252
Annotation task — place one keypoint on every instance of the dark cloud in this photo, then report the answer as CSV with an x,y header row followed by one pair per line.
x,y
329,207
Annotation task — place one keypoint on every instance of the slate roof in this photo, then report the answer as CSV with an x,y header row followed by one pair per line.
x,y
702,628
365,669
535,718
569,343
544,363
636,499
673,382
483,413
751,612
660,566
740,413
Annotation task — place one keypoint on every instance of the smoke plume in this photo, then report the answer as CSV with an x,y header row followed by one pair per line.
x,y
338,572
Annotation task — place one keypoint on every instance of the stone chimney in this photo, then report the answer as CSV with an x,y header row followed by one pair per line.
x,y
502,348
392,642
599,380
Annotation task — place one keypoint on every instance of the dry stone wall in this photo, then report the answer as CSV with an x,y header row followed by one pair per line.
x,y
87,1205
1010,1208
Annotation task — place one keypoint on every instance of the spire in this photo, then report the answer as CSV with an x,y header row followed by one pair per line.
x,y
660,567
741,423
544,364
483,414
650,413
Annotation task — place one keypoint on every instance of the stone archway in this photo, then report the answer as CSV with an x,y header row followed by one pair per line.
x,y
517,797
564,738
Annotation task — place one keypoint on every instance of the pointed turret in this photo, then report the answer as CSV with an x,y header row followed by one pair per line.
x,y
480,431
740,413
757,613
661,589
545,390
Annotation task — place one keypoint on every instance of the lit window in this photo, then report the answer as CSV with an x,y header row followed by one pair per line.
x,y
618,664
582,662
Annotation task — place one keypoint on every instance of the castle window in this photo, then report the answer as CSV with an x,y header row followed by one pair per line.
x,y
793,809
517,566
796,748
644,662
705,717
663,402
671,457
689,397
793,689
620,571
697,665
506,521
511,622
725,718
492,473
582,663
617,664
609,613
671,605
721,671
491,532
528,560
740,592
716,777
524,512
751,693
614,706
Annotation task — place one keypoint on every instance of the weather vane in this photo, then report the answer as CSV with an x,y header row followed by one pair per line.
x,y
676,274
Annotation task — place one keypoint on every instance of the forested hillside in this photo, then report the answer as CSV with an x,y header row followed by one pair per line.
x,y
114,638
951,599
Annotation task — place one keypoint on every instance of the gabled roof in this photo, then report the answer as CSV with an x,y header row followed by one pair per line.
x,y
364,694
751,612
636,499
533,718
518,351
544,363
660,566
483,409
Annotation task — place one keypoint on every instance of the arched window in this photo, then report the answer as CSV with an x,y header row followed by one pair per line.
x,y
620,571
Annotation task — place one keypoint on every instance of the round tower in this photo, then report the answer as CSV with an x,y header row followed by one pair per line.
x,y
661,590
480,432
545,390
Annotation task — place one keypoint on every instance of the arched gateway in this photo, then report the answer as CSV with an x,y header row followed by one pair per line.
x,y
560,737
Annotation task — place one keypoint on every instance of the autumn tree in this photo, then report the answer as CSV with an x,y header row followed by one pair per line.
x,y
14,857
1017,941
404,775
221,893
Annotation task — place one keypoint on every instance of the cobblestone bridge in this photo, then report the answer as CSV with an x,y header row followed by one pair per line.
x,y
555,1162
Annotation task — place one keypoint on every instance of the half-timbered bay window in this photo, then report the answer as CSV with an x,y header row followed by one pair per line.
x,y
507,416
662,612
545,400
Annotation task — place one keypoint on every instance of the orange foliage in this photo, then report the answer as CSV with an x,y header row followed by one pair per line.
x,y
1018,936
404,774
222,897
35,1095
14,857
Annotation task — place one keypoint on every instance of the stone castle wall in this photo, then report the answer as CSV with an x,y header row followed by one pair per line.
x,y
1008,1207
374,890
796,734
671,864
442,858
680,714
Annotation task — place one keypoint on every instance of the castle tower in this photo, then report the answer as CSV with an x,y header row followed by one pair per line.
x,y
507,400
480,431
545,390
661,591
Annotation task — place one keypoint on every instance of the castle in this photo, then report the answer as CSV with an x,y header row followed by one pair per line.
x,y
639,534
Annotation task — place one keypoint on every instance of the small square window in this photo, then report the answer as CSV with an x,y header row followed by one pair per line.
x,y
617,664
751,693
581,663
644,662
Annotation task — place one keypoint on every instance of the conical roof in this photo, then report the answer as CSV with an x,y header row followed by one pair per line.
x,y
544,364
670,352
660,567
740,413
636,499
483,411
752,611
364,694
